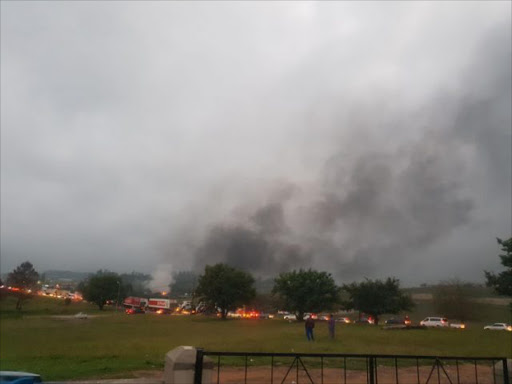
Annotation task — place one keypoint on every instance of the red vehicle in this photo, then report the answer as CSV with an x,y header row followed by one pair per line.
x,y
131,302
135,311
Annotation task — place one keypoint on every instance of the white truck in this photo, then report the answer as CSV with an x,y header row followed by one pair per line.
x,y
161,306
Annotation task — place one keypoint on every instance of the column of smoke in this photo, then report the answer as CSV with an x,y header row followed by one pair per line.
x,y
373,213
375,204
161,278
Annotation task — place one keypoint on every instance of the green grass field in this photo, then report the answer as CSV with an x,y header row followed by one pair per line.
x,y
114,344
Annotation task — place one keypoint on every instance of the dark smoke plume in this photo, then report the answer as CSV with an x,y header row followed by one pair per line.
x,y
371,210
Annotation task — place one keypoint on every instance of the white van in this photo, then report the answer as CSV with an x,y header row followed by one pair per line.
x,y
434,322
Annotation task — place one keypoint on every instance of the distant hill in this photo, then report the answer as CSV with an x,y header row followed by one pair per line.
x,y
55,275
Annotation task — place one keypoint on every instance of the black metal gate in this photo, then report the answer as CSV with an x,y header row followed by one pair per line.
x,y
317,368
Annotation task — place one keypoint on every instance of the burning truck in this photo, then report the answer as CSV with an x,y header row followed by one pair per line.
x,y
135,302
158,305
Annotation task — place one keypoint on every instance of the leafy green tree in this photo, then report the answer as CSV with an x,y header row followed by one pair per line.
x,y
306,291
225,288
184,282
453,299
502,282
102,287
24,277
376,297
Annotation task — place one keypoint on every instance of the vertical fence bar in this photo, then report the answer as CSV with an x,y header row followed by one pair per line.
x,y
418,370
476,373
345,370
272,370
396,370
198,369
297,371
376,372
438,374
457,366
367,375
505,372
372,373
218,369
322,369
493,373
245,374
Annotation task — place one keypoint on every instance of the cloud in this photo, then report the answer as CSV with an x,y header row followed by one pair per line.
x,y
365,139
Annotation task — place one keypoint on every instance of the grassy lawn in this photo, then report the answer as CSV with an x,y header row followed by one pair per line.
x,y
113,344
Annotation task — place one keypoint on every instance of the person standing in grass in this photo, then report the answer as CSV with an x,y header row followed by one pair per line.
x,y
310,325
331,323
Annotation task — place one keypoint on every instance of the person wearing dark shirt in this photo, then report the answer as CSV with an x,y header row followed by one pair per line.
x,y
331,326
310,325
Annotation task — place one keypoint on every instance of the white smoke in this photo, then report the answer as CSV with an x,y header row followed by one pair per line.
x,y
161,278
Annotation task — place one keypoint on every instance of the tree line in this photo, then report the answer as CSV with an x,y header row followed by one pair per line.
x,y
224,288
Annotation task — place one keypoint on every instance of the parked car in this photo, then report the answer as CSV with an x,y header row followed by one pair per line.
x,y
434,322
11,377
290,316
395,321
499,327
345,320
458,325
135,311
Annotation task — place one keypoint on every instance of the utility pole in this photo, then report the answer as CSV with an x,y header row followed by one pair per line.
x,y
118,295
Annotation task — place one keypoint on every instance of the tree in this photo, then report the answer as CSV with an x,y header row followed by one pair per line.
x,y
184,283
306,291
453,299
376,297
24,277
225,287
502,282
102,287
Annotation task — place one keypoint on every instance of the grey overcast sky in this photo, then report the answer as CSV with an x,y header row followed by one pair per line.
x,y
366,139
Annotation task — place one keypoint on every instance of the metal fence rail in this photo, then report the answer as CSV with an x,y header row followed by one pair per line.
x,y
311,368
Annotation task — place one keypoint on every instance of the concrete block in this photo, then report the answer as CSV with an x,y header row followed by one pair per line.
x,y
180,366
